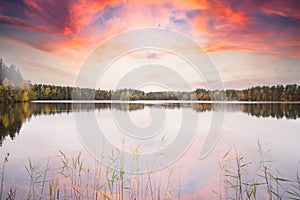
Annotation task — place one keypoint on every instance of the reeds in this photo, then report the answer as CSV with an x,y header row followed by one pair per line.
x,y
2,174
239,180
71,180
239,183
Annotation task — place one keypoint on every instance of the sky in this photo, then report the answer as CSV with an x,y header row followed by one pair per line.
x,y
250,42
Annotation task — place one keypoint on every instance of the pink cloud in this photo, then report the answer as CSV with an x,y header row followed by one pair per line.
x,y
255,26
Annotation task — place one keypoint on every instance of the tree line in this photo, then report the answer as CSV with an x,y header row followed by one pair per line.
x,y
13,88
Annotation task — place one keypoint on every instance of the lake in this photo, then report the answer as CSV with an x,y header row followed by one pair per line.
x,y
38,130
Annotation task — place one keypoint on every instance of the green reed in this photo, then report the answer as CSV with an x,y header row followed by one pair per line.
x,y
2,174
238,182
71,180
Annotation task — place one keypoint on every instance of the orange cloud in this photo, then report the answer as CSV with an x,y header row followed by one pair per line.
x,y
254,27
83,12
34,5
221,25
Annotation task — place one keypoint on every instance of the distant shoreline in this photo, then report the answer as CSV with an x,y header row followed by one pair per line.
x,y
164,102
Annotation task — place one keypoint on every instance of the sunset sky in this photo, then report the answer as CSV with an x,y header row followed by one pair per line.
x,y
254,42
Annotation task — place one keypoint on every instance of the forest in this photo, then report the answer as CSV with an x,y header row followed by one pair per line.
x,y
13,88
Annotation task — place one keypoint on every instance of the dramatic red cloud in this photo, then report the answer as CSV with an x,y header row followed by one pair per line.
x,y
258,26
83,12
250,26
34,5
19,23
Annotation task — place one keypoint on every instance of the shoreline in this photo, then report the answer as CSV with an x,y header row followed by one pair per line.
x,y
163,102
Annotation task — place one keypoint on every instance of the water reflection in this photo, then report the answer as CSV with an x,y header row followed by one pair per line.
x,y
12,116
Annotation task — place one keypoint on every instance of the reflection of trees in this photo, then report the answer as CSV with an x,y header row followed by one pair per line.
x,y
12,116
289,111
11,121
274,110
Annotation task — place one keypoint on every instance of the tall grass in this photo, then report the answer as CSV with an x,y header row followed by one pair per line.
x,y
239,180
2,174
71,180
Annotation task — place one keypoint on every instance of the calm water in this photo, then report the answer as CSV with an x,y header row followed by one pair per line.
x,y
39,130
